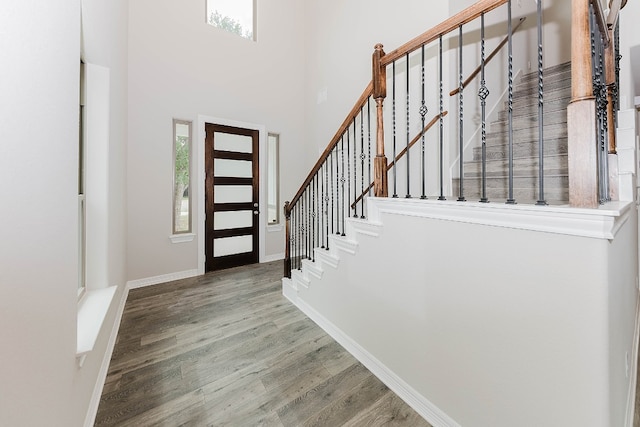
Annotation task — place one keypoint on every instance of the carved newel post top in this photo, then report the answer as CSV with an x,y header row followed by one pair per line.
x,y
287,214
379,47
379,74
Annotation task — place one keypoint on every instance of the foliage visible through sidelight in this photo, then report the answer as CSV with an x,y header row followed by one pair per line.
x,y
181,179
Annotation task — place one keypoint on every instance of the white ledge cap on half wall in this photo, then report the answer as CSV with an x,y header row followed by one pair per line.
x,y
92,310
599,223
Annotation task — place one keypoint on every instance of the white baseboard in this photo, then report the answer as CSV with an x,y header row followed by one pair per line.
x,y
631,394
92,412
419,403
149,281
273,257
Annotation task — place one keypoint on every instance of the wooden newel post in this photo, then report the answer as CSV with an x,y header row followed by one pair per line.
x,y
287,241
380,186
582,114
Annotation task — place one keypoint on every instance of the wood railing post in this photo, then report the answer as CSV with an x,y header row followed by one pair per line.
x,y
287,240
380,188
581,114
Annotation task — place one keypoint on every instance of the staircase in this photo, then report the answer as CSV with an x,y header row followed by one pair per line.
x,y
557,93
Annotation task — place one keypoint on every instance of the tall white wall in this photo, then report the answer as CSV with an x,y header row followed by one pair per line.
x,y
42,383
341,36
181,67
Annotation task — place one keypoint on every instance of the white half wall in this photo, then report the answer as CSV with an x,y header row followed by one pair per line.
x,y
487,315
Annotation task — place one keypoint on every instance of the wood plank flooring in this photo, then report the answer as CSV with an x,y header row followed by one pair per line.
x,y
227,349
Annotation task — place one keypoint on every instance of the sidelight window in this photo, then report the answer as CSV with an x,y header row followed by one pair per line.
x,y
181,176
273,179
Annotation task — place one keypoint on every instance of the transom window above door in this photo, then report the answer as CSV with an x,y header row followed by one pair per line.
x,y
235,16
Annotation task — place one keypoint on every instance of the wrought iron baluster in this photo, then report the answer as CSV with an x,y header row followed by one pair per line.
x,y
338,205
318,211
348,175
594,77
441,197
483,93
461,114
408,196
326,202
314,216
598,91
300,238
369,142
510,199
602,109
423,112
393,115
334,187
310,221
342,179
355,171
321,176
292,238
362,157
303,224
541,200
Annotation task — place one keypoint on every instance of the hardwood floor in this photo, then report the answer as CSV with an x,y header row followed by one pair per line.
x,y
227,349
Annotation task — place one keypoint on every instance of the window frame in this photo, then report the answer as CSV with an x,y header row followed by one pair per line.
x,y
189,124
82,211
276,183
254,20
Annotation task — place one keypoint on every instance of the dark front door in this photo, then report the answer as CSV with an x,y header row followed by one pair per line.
x,y
231,196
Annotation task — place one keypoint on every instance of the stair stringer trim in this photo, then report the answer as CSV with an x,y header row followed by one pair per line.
x,y
313,270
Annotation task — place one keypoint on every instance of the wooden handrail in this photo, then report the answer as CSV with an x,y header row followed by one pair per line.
x,y
460,18
402,153
327,151
486,61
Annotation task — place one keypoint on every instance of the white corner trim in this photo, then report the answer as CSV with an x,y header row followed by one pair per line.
x,y
419,403
92,412
600,223
289,290
273,257
182,238
92,310
149,281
